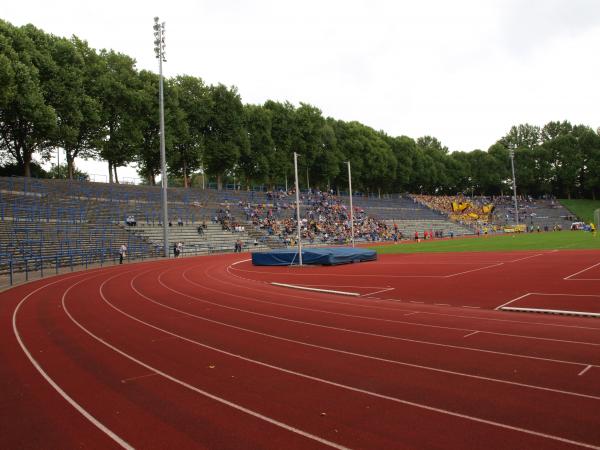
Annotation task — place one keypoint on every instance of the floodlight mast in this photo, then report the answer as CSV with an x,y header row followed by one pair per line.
x,y
514,183
351,208
159,50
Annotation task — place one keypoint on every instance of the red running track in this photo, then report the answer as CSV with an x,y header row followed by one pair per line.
x,y
194,353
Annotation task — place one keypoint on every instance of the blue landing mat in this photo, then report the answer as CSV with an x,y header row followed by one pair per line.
x,y
321,256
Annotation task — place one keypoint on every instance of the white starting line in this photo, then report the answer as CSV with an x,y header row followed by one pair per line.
x,y
305,288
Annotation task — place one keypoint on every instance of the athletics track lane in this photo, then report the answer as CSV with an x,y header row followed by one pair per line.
x,y
264,388
479,280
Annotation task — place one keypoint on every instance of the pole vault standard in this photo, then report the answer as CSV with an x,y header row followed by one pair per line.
x,y
351,209
514,182
298,207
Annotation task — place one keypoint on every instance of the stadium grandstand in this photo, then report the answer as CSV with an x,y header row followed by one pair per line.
x,y
50,224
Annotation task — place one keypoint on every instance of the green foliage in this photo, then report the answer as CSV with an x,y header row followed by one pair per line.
x,y
62,173
225,136
119,94
27,121
583,209
60,93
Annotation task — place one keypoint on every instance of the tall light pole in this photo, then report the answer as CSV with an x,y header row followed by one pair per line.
x,y
514,182
351,208
159,50
298,208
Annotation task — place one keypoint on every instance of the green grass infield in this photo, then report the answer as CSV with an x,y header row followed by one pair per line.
x,y
552,240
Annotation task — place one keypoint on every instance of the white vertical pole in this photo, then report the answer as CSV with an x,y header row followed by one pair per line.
x,y
351,208
298,208
159,48
512,163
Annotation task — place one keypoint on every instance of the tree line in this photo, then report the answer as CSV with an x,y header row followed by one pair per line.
x,y
60,93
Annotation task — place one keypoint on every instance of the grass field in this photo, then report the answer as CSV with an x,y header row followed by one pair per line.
x,y
504,242
582,208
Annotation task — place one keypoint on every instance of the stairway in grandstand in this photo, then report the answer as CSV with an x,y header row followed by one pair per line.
x,y
448,228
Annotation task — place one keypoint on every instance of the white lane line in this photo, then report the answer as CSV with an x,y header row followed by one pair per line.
x,y
220,292
551,311
382,290
470,334
239,262
346,286
472,307
584,370
305,288
526,257
120,441
568,295
181,382
472,270
404,322
312,378
581,271
491,319
513,300
411,313
345,352
139,377
333,275
163,338
383,308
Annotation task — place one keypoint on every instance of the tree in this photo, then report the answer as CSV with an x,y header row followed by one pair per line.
x,y
148,156
404,149
254,159
61,172
522,136
567,160
283,125
503,174
434,163
224,135
189,120
327,162
307,141
89,128
120,97
589,145
552,130
27,121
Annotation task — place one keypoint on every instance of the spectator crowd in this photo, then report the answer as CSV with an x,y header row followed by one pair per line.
x,y
325,219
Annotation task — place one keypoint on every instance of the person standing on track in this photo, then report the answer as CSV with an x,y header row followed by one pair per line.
x,y
122,253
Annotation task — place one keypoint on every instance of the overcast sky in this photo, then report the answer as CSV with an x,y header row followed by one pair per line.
x,y
463,71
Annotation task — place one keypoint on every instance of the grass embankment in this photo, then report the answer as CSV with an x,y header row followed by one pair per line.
x,y
582,208
553,240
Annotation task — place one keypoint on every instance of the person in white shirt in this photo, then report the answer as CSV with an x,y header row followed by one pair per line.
x,y
122,253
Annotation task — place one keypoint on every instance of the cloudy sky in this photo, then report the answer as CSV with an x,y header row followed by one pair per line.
x,y
463,71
